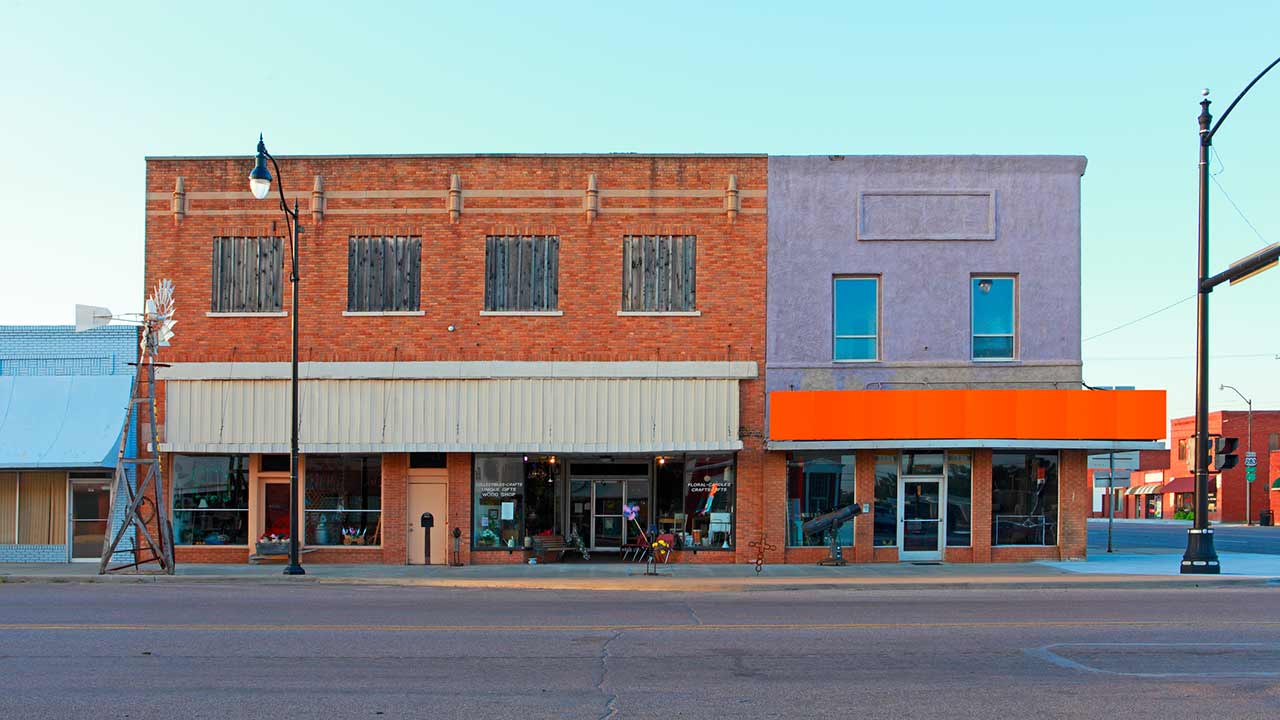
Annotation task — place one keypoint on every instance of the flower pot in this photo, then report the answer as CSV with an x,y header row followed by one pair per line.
x,y
273,548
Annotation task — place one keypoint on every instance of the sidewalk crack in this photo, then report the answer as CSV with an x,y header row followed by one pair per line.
x,y
610,699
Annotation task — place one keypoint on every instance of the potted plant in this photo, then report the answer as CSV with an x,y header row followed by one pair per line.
x,y
353,536
273,544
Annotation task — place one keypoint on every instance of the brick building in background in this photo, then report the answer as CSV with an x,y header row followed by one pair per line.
x,y
1226,489
519,345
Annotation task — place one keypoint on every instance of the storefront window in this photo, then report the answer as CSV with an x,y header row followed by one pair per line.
x,y
818,483
885,519
1024,499
542,498
211,499
708,502
499,502
343,500
959,499
669,496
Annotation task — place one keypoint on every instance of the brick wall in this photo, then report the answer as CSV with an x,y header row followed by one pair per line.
x,y
508,194
60,350
1231,505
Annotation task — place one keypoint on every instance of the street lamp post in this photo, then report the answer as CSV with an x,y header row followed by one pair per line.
x,y
260,186
1200,556
1248,446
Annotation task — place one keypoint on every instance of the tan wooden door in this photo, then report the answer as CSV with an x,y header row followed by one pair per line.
x,y
432,498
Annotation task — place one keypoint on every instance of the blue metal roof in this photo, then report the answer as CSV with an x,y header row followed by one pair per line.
x,y
62,421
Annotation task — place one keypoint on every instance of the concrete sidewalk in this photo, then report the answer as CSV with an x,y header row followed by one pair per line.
x,y
1115,571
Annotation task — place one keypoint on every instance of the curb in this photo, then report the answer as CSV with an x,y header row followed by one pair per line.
x,y
640,583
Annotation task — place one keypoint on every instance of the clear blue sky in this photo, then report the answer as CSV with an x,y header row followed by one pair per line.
x,y
90,89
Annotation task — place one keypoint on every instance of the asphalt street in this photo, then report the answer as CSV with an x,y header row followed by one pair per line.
x,y
1140,536
274,651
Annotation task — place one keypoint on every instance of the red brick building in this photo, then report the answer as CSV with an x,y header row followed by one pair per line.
x,y
519,345
1227,489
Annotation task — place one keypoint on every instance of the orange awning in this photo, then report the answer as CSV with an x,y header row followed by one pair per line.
x,y
1084,415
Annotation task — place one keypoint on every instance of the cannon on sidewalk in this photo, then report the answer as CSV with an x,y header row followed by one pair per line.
x,y
830,523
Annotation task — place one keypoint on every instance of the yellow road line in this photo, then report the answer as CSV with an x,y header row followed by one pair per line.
x,y
106,627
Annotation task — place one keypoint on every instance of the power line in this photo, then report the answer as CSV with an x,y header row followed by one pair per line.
x,y
1153,313
1214,177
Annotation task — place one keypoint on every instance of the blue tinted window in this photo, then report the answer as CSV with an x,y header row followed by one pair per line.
x,y
993,318
856,318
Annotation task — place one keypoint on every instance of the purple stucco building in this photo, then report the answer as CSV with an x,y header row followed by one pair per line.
x,y
925,225
923,359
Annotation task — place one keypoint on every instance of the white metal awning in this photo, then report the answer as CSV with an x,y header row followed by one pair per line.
x,y
465,407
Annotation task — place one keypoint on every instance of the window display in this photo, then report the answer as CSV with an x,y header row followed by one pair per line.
x,y
708,502
343,500
211,499
818,483
499,502
1024,498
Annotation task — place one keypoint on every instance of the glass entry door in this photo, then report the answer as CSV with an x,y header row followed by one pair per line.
x,y
597,504
608,529
90,513
920,527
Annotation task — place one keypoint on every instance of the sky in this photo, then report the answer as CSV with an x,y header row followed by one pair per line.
x,y
91,89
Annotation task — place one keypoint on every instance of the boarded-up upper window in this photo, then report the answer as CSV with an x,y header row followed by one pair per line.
x,y
521,272
659,273
384,273
246,274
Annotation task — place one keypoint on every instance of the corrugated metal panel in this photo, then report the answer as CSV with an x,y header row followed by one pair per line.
x,y
565,415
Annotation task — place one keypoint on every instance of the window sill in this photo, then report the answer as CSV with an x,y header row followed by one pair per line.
x,y
342,547
871,361
817,547
281,313
205,545
660,313
521,313
1006,361
383,313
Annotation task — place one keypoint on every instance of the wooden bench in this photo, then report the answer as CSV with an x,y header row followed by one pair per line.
x,y
548,544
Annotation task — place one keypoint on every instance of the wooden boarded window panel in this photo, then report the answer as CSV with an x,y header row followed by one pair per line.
x,y
8,508
521,273
247,274
659,273
384,273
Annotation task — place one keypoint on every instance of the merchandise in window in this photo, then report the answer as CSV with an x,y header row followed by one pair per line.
x,y
708,502
499,502
994,317
210,499
343,500
818,483
1024,498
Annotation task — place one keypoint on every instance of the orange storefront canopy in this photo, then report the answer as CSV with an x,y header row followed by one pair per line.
x,y
827,415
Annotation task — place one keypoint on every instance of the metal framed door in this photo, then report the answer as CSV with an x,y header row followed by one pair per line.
x,y
90,516
921,512
608,526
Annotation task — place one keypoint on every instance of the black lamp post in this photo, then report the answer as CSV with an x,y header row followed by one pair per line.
x,y
1200,557
260,185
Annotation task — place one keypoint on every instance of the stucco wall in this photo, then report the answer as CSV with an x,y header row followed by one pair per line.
x,y
823,212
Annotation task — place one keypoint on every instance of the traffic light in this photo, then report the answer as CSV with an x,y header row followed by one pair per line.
x,y
1224,457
